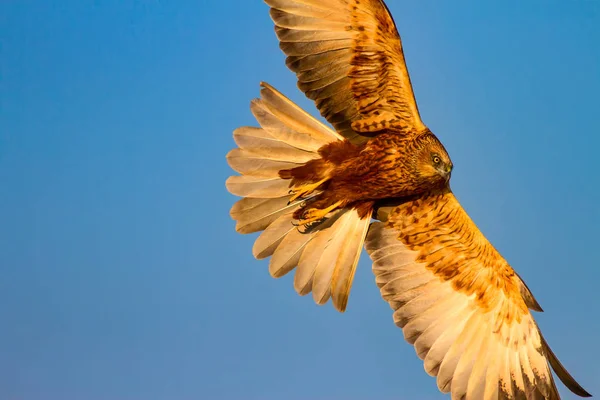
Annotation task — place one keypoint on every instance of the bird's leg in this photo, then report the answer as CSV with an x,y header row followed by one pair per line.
x,y
315,214
305,189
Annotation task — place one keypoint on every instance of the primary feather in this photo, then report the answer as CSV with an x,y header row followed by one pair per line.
x,y
460,304
457,301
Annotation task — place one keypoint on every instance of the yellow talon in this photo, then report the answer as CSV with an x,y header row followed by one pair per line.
x,y
306,189
316,214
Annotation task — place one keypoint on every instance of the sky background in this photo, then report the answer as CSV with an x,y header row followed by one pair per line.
x,y
122,277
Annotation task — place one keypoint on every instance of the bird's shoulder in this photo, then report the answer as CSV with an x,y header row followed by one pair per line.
x,y
449,244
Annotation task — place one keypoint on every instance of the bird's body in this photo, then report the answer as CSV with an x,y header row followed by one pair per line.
x,y
355,175
312,191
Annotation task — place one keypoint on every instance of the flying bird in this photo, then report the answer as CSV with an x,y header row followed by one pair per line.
x,y
313,192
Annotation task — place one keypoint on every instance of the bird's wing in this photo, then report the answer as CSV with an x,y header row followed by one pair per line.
x,y
460,304
348,57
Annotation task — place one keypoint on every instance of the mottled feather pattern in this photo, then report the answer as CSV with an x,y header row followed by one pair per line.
x,y
311,192
383,167
460,303
451,246
348,58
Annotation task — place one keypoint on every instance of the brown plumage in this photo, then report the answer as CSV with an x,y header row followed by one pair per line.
x,y
389,165
312,192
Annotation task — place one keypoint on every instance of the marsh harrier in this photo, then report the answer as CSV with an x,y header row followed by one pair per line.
x,y
313,192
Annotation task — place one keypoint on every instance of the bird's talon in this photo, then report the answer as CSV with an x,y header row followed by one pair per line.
x,y
305,190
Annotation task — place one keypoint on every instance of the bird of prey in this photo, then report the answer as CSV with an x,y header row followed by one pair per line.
x,y
313,191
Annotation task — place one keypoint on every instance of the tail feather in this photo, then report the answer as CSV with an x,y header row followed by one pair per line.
x,y
325,268
258,141
303,280
247,162
348,260
296,118
253,215
279,130
257,186
326,254
266,244
288,252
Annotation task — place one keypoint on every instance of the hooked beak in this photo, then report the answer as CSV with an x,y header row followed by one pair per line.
x,y
447,172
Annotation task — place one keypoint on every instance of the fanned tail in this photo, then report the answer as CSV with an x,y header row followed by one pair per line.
x,y
326,252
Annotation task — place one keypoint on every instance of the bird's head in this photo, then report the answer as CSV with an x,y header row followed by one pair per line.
x,y
433,163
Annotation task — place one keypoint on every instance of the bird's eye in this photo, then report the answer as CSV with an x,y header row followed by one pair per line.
x,y
436,160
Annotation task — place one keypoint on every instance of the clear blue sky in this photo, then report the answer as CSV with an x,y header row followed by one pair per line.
x,y
122,277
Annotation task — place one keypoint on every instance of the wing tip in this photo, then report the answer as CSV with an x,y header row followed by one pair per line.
x,y
535,306
340,307
562,372
527,295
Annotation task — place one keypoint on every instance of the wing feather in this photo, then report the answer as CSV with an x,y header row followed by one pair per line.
x,y
471,350
349,59
433,345
460,304
561,371
441,304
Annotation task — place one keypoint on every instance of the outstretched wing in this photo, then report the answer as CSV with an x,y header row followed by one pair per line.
x,y
460,304
348,57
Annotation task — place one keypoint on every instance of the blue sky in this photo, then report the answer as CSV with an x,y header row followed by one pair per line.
x,y
122,275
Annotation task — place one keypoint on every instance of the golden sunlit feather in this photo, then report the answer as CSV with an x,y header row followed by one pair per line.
x,y
311,191
348,58
288,138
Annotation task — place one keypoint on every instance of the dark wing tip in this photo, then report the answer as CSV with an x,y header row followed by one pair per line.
x,y
562,372
530,300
